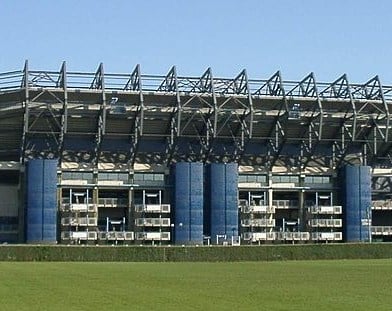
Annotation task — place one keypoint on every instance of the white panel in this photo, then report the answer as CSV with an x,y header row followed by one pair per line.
x,y
250,185
110,182
283,185
79,235
74,182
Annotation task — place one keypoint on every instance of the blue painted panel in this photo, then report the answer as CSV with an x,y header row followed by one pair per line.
x,y
217,200
41,203
34,233
351,197
49,233
34,202
356,202
196,218
223,199
182,204
196,234
365,200
49,216
34,217
188,203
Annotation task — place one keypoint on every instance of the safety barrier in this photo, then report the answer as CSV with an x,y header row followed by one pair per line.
x,y
152,208
331,223
258,222
327,236
336,209
153,236
152,222
381,230
382,205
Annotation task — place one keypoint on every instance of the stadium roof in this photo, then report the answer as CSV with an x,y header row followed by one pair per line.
x,y
138,118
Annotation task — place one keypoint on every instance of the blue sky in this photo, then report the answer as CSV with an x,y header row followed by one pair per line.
x,y
297,37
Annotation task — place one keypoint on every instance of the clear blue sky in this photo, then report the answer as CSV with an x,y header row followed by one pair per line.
x,y
297,37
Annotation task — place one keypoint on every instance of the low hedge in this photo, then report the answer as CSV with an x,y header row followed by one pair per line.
x,y
194,253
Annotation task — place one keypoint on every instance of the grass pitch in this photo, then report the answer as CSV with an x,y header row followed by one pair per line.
x,y
293,285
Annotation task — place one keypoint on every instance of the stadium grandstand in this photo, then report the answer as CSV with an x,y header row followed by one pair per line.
x,y
134,158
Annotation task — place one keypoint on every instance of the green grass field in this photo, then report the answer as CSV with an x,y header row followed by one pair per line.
x,y
290,285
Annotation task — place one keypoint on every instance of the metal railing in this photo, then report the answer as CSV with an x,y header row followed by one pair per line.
x,y
152,208
336,209
329,223
260,209
173,83
381,230
382,205
284,204
327,236
112,202
258,222
152,222
153,236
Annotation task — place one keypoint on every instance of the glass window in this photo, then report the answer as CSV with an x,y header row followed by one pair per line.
x,y
317,179
252,178
123,177
138,177
148,176
66,175
102,176
242,178
159,177
285,179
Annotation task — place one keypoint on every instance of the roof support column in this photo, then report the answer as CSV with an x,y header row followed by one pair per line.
x,y
64,117
135,84
25,85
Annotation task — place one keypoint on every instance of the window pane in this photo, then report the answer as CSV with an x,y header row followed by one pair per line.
x,y
252,178
285,179
242,178
159,177
138,177
148,177
317,179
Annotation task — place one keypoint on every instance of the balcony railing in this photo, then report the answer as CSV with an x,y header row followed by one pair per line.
x,y
329,223
258,222
153,236
285,204
152,208
327,236
331,210
152,222
381,230
382,205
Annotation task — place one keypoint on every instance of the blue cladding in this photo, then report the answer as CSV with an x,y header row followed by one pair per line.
x,y
223,181
357,202
34,200
365,198
50,201
41,211
188,203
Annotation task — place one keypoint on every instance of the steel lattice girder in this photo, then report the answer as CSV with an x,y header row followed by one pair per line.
x,y
226,118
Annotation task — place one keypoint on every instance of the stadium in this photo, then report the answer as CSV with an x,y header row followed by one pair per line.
x,y
134,158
